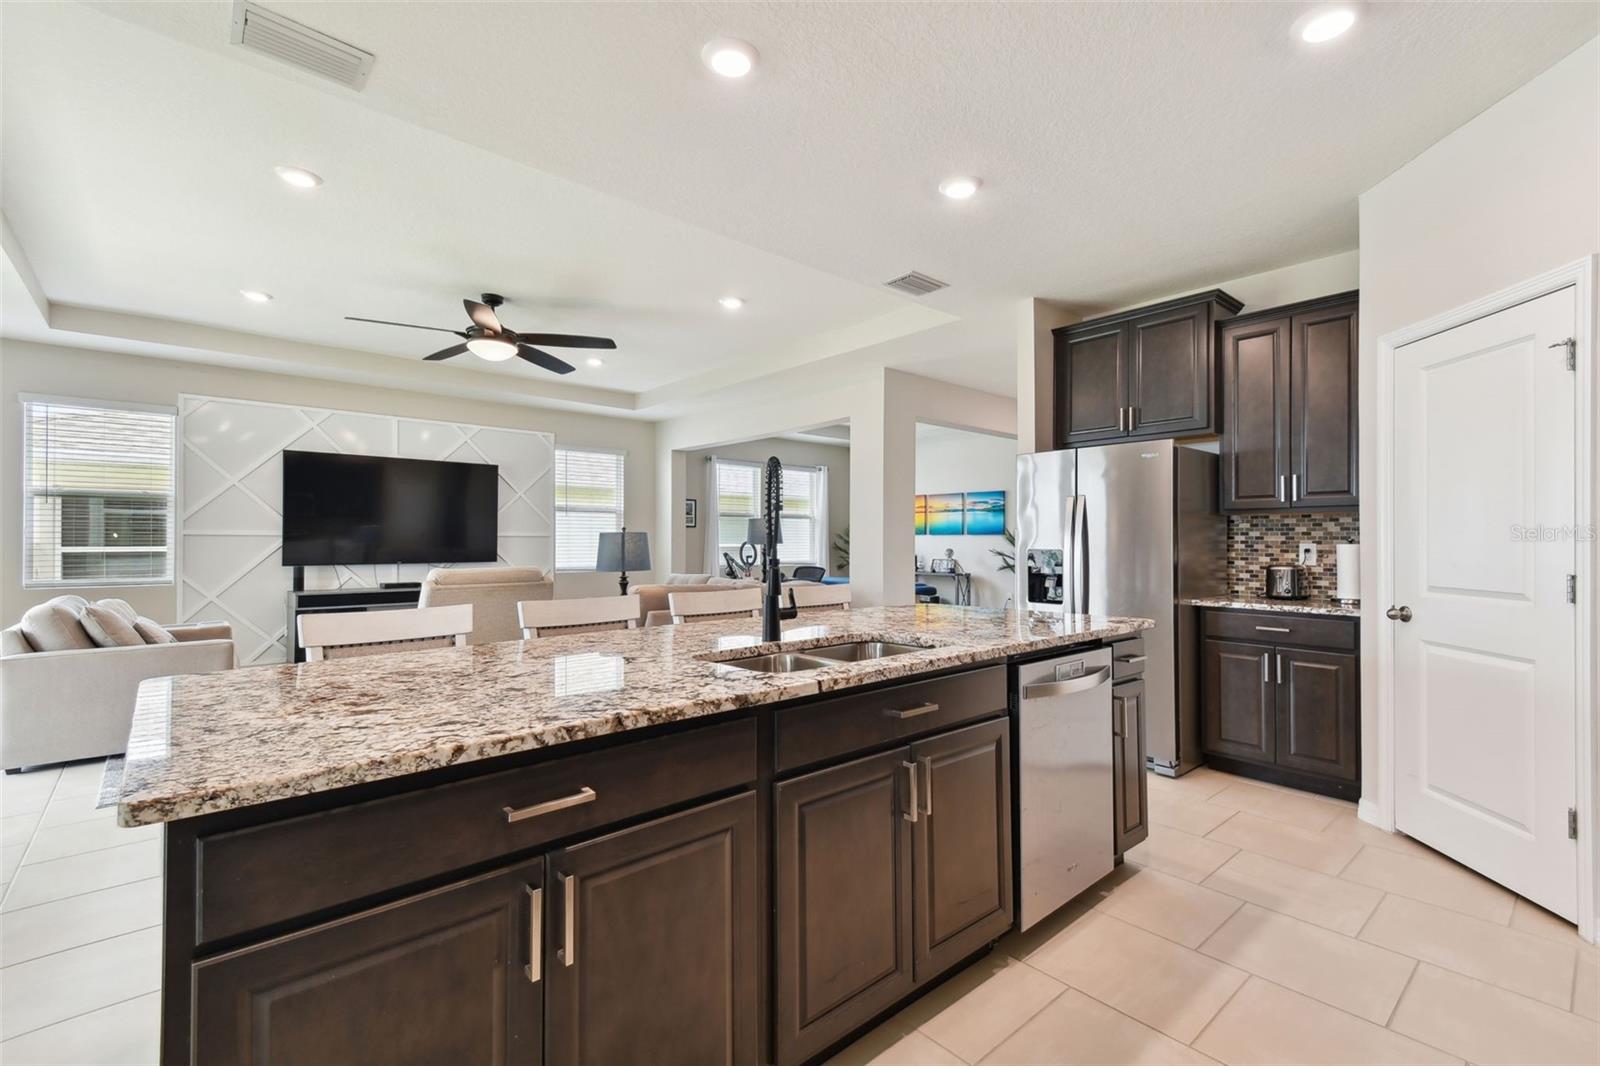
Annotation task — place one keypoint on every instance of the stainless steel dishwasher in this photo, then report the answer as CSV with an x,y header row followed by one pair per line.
x,y
1064,779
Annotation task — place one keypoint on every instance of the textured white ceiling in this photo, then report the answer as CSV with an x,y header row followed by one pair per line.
x,y
1127,150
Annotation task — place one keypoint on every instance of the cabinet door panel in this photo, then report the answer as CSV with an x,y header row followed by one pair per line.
x,y
1323,409
1091,379
961,844
435,978
1132,800
1170,385
1255,415
663,942
843,897
1317,713
1238,717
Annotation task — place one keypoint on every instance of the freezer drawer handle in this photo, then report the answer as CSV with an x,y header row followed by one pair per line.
x,y
1047,689
918,711
1131,659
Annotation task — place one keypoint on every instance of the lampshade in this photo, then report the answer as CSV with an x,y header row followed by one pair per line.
x,y
623,551
756,532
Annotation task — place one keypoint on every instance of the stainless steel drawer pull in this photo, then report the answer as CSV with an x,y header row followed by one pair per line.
x,y
1273,629
913,805
569,919
1131,659
911,712
927,784
577,799
1047,689
535,932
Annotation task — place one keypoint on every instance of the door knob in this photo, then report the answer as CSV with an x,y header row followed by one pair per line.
x,y
1399,614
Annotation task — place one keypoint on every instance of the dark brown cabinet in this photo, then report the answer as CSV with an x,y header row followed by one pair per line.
x,y
1140,375
1130,790
651,953
440,977
1289,425
1288,710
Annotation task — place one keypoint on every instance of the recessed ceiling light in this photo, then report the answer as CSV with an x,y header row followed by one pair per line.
x,y
595,360
494,349
256,296
731,303
299,177
728,57
1325,23
959,188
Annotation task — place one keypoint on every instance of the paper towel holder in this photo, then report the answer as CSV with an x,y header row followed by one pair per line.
x,y
1348,570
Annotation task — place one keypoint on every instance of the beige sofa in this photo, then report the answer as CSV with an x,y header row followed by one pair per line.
x,y
653,610
493,592
77,703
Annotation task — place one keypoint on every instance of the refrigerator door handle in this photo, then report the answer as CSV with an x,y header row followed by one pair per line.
x,y
1080,555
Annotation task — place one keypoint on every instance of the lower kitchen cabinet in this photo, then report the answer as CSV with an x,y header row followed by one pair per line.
x,y
1316,704
1130,788
439,977
1238,708
651,952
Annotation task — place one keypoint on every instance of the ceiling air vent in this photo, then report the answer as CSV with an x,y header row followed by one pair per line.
x,y
915,284
288,41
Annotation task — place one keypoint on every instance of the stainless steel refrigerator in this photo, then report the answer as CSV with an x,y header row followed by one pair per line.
x,y
1130,529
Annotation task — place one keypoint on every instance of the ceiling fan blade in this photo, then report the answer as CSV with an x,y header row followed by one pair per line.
x,y
448,353
483,316
566,340
407,325
544,359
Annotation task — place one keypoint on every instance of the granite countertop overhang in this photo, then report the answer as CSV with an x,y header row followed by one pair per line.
x,y
202,743
1314,605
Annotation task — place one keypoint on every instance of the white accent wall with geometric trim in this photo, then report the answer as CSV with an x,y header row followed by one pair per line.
x,y
230,489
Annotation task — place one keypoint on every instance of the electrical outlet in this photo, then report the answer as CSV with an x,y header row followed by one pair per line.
x,y
1308,554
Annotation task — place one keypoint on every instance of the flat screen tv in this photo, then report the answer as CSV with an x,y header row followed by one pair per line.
x,y
368,509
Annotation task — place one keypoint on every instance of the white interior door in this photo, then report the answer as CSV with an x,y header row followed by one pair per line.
x,y
1485,670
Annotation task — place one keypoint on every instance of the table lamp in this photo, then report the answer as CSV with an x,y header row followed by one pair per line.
x,y
621,552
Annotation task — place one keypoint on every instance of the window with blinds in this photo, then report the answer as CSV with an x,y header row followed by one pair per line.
x,y
802,521
97,494
588,503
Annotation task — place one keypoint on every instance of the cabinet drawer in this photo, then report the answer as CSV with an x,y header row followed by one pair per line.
x,y
1127,658
1273,628
248,878
826,730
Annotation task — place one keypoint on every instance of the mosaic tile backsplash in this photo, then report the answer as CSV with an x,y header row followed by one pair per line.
x,y
1256,541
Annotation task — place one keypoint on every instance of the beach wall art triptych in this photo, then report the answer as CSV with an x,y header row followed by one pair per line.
x,y
948,514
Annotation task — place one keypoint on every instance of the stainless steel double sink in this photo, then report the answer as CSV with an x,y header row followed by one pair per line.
x,y
788,662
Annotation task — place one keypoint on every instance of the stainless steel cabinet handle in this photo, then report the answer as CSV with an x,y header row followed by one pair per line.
x,y
1133,419
1281,480
1122,420
1265,675
1119,720
913,805
1398,614
1273,629
569,919
911,712
1046,689
927,784
1294,487
1131,659
535,933
577,799
1279,657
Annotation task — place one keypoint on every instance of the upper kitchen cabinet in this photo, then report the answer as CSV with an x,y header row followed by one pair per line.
x,y
1289,407
1143,374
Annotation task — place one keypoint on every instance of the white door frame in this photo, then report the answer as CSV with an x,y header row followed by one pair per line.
x,y
1380,810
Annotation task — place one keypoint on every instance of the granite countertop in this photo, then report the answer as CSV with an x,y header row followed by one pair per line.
x,y
1315,605
202,743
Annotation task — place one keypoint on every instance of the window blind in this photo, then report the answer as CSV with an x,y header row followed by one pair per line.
x,y
803,519
588,503
97,494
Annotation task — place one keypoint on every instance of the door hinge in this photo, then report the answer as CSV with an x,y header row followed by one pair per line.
x,y
1571,345
1572,823
1572,588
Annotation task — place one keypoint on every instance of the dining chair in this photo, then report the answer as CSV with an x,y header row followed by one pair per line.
x,y
699,606
549,618
348,634
820,597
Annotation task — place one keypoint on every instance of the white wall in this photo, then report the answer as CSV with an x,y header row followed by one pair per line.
x,y
92,375
1509,195
836,457
950,460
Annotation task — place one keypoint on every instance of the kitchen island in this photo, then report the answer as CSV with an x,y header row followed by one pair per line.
x,y
605,847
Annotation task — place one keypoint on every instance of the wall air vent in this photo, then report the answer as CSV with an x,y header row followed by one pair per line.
x,y
915,284
291,42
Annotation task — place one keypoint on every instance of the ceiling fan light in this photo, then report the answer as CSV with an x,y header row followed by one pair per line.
x,y
494,349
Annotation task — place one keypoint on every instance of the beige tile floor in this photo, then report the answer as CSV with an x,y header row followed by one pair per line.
x,y
1257,925
1261,925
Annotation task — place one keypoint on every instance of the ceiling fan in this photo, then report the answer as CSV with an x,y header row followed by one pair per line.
x,y
488,339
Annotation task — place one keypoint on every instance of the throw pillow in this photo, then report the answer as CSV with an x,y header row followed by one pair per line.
x,y
122,607
152,632
108,629
54,625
